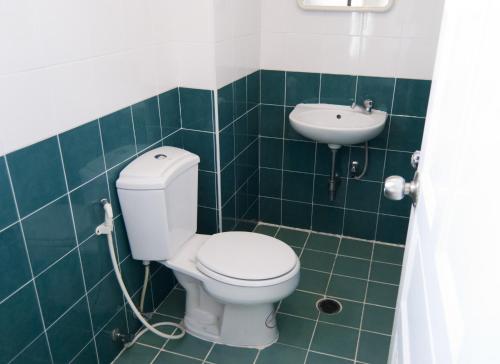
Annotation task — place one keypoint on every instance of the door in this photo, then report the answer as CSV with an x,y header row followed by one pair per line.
x,y
448,306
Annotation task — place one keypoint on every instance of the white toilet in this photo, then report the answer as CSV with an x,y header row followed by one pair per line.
x,y
231,279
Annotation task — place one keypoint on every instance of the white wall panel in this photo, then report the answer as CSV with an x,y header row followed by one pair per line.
x,y
407,33
65,63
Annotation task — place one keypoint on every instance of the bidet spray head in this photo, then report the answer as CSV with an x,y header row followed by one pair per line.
x,y
108,213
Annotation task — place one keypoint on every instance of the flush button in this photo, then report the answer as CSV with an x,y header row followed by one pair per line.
x,y
160,156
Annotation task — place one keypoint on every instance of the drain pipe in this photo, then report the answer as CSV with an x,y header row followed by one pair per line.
x,y
334,180
106,228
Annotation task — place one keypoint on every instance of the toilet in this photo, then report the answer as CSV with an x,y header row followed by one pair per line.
x,y
232,279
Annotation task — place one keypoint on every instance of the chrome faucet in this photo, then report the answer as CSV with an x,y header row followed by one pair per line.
x,y
367,106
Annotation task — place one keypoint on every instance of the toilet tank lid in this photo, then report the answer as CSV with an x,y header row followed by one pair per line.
x,y
155,169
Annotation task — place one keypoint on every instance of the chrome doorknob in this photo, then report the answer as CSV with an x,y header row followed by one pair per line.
x,y
396,188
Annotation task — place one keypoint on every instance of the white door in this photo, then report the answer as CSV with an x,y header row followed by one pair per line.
x,y
449,303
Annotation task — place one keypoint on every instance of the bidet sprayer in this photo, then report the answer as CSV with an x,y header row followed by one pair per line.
x,y
107,226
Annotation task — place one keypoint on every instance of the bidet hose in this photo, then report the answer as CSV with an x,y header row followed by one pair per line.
x,y
365,167
144,286
108,230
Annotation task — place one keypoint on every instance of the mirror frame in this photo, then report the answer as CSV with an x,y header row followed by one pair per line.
x,y
378,9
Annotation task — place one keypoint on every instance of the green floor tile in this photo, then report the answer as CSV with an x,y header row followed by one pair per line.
x,y
356,248
292,237
190,346
266,230
223,354
347,287
352,267
373,348
278,353
297,250
170,358
322,242
316,358
378,319
317,260
389,254
137,354
174,305
335,340
388,273
154,340
382,294
350,315
313,281
301,304
295,331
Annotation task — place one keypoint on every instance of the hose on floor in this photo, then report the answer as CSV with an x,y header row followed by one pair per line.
x,y
107,229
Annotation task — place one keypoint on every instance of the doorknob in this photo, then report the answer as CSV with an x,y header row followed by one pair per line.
x,y
396,188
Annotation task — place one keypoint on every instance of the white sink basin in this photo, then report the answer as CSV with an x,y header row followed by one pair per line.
x,y
337,125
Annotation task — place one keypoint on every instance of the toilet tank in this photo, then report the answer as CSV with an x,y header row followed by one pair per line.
x,y
158,195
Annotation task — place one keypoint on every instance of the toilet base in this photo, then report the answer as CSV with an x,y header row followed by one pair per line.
x,y
252,326
242,326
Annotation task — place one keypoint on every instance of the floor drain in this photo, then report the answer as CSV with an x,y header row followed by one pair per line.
x,y
329,306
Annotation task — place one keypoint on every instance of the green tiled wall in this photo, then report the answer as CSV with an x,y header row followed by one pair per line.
x,y
294,171
57,281
238,108
59,299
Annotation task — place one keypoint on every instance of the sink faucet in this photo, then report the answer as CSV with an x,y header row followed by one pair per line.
x,y
367,106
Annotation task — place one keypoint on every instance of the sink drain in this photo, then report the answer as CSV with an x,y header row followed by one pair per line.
x,y
329,306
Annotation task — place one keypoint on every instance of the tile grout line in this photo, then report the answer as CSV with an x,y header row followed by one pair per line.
x,y
115,245
306,141
259,141
363,308
324,296
208,353
110,201
159,115
282,150
335,323
314,183
340,208
371,241
79,253
133,128
44,328
91,341
385,158
214,97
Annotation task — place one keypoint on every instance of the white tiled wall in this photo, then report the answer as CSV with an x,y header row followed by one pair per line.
x,y
237,37
65,63
399,43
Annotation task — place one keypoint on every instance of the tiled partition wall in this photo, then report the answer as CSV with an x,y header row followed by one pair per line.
x,y
59,299
294,171
238,109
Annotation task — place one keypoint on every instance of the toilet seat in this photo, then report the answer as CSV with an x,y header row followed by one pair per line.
x,y
246,259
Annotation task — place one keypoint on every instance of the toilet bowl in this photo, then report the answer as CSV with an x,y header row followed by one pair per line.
x,y
226,301
232,279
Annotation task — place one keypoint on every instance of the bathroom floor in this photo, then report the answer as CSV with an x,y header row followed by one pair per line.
x,y
362,276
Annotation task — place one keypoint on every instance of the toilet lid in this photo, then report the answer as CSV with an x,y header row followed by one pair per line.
x,y
247,256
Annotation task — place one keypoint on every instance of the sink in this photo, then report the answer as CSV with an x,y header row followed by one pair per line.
x,y
337,125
